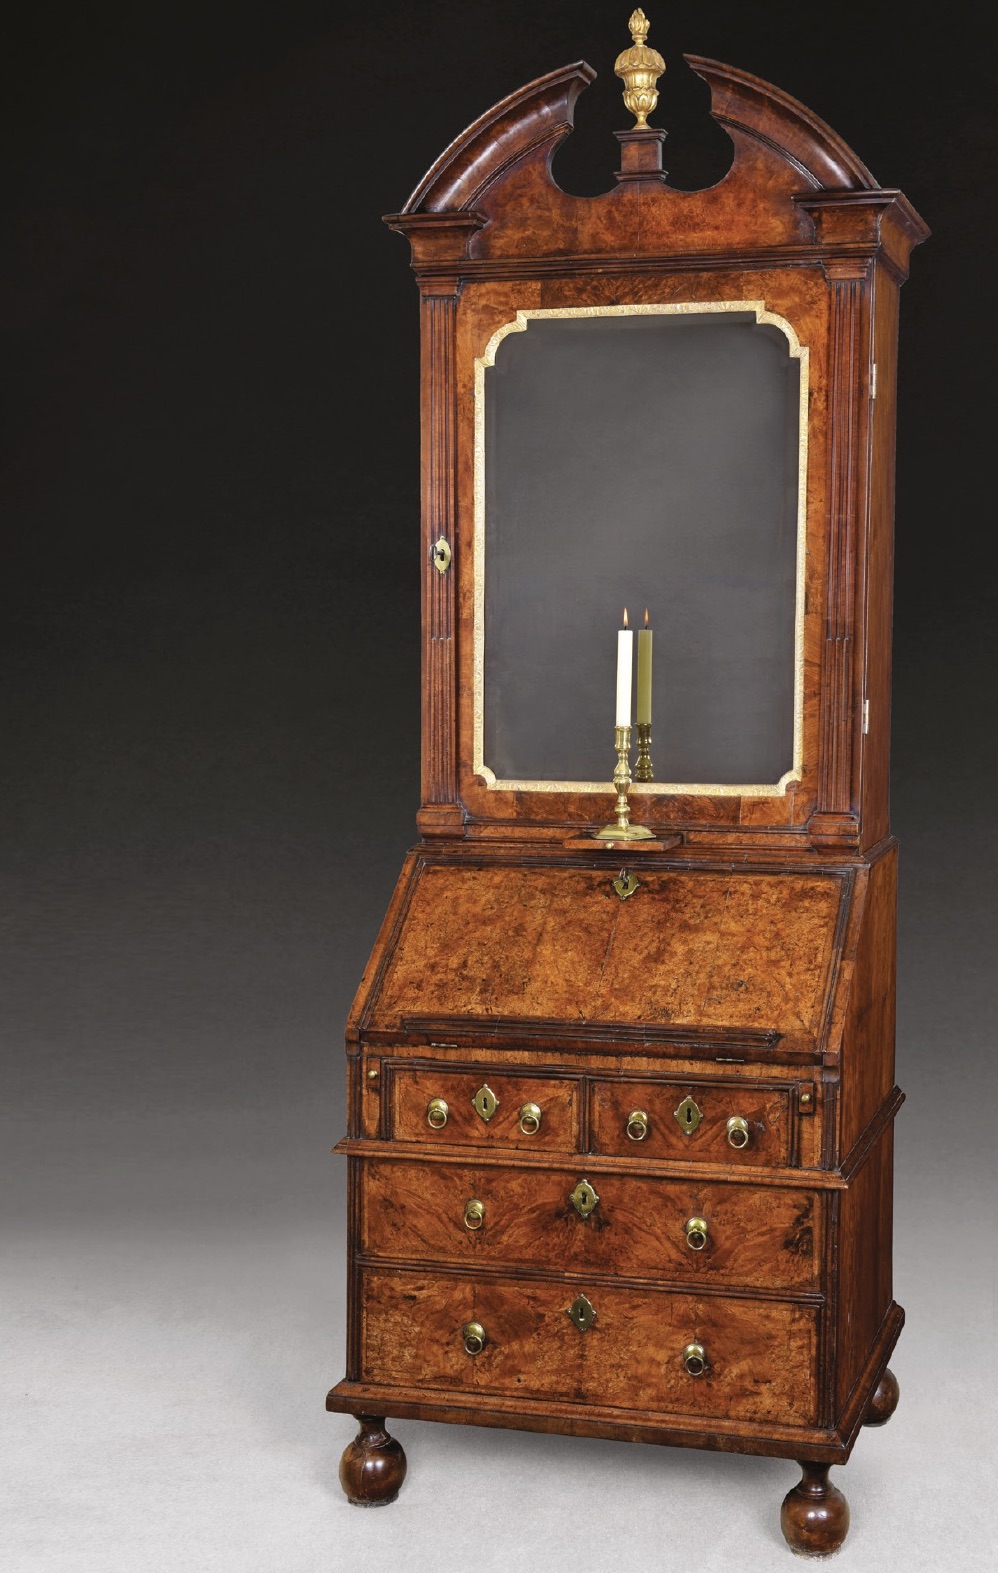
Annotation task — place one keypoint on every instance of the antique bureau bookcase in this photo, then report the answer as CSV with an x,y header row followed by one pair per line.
x,y
621,1110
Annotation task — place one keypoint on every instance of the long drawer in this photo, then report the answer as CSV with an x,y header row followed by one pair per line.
x,y
569,1221
671,1352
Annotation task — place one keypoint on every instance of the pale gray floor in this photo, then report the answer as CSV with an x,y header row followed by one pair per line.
x,y
177,1320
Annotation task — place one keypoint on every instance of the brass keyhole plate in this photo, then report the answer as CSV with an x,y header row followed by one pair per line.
x,y
625,884
583,1198
688,1116
485,1101
582,1312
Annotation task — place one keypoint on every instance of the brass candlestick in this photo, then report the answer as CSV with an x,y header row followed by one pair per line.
x,y
643,769
623,830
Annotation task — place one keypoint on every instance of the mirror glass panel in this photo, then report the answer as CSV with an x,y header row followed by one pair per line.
x,y
647,457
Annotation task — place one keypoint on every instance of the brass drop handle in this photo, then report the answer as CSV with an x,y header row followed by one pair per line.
x,y
695,1359
436,1113
738,1131
530,1119
474,1214
637,1125
473,1336
696,1233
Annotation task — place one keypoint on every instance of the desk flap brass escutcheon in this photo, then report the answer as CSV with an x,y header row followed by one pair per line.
x,y
582,1312
583,1199
625,884
485,1101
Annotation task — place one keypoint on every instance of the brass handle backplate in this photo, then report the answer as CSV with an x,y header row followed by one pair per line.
x,y
696,1233
474,1214
530,1119
738,1131
473,1338
637,1125
436,1113
695,1359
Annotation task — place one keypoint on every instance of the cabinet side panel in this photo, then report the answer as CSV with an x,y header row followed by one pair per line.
x,y
880,580
868,1040
866,1230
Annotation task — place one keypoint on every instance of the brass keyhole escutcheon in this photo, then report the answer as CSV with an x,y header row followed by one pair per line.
x,y
436,1113
583,1199
696,1233
485,1101
530,1119
695,1359
473,1337
625,884
474,1214
689,1116
441,555
582,1312
738,1131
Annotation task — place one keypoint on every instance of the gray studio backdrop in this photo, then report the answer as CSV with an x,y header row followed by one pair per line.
x,y
210,690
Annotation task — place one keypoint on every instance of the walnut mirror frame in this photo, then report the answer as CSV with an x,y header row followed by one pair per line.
x,y
632,450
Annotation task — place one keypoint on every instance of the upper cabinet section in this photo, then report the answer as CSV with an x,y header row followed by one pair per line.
x,y
672,401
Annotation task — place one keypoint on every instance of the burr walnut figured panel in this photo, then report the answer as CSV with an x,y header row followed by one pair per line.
x,y
698,949
765,1111
637,1229
556,1100
759,1353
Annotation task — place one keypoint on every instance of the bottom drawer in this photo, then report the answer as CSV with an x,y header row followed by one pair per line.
x,y
758,1356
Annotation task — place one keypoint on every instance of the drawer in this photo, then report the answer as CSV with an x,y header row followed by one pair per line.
x,y
437,1104
692,1120
758,1355
638,1228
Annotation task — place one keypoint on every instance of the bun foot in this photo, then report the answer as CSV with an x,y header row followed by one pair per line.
x,y
815,1515
884,1401
372,1468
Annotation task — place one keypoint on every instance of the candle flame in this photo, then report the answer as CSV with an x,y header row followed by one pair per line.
x,y
625,616
646,617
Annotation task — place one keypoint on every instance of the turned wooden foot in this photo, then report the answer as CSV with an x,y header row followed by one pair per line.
x,y
884,1401
372,1468
815,1515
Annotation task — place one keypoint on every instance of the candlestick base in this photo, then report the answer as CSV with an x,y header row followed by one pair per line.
x,y
628,832
622,829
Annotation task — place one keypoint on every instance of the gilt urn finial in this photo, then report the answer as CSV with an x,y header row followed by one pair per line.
x,y
639,68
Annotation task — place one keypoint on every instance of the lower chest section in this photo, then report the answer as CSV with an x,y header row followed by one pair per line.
x,y
637,1348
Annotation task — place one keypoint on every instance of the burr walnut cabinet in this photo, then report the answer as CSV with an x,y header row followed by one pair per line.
x,y
621,1110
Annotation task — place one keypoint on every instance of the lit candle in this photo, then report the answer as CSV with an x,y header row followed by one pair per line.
x,y
644,673
625,658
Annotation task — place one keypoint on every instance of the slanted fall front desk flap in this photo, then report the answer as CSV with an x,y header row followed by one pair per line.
x,y
714,952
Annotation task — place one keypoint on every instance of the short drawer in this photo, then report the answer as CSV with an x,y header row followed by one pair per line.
x,y
636,1227
756,1358
716,1122
485,1108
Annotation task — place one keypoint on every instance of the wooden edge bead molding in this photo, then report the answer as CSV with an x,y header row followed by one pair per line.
x,y
621,1065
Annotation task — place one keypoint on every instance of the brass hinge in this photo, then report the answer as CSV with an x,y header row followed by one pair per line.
x,y
866,715
873,381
